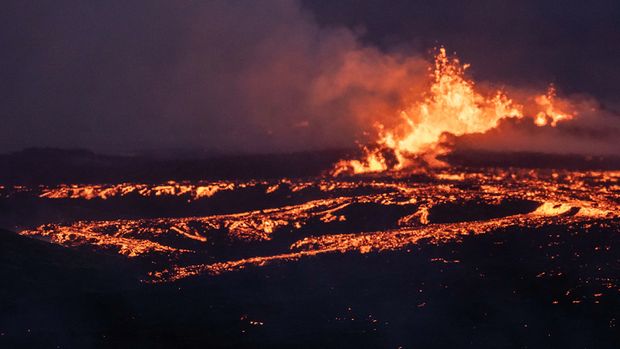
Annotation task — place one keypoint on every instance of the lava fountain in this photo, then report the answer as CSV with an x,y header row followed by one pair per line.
x,y
453,105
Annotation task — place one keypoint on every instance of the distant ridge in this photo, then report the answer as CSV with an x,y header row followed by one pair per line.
x,y
54,166
532,160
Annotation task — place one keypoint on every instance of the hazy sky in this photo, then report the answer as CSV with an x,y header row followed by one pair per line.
x,y
277,75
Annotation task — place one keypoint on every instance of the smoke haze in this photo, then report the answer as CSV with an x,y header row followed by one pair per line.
x,y
230,76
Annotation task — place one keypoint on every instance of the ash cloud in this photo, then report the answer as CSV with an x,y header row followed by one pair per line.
x,y
230,76
243,76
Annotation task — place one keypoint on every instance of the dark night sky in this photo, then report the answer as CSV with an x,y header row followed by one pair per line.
x,y
230,76
575,44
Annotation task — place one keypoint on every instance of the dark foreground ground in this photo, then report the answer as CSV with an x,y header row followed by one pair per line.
x,y
494,296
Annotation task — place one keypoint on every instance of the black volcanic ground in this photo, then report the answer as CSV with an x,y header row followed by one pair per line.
x,y
540,281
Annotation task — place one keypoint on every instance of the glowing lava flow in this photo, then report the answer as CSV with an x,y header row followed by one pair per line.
x,y
451,106
191,191
370,214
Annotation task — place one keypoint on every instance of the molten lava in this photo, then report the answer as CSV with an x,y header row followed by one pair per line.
x,y
551,114
453,106
366,214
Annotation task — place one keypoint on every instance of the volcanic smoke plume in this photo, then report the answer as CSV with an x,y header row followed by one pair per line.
x,y
311,87
264,76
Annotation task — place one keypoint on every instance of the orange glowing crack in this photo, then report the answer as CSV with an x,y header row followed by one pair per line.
x,y
363,243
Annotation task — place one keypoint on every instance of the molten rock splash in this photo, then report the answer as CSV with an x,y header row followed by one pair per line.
x,y
452,106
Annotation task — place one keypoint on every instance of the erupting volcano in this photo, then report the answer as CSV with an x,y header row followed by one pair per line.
x,y
397,237
452,106
307,173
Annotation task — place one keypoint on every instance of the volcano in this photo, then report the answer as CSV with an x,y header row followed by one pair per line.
x,y
309,174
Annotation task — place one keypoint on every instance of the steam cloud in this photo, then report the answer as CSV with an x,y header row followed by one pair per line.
x,y
594,131
227,75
